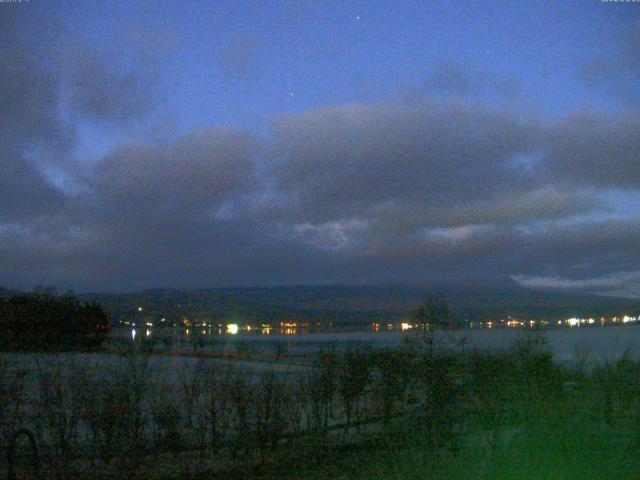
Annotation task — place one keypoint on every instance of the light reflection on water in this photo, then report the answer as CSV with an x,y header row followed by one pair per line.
x,y
598,343
233,329
236,330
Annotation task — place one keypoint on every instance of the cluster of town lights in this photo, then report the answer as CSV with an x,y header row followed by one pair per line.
x,y
568,322
291,328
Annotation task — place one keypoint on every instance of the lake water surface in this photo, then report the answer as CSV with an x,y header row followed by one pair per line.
x,y
599,344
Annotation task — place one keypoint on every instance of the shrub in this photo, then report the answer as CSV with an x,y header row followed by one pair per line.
x,y
321,389
61,398
393,379
12,383
113,410
273,402
354,372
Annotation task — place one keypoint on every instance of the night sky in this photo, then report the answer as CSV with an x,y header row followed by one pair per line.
x,y
190,144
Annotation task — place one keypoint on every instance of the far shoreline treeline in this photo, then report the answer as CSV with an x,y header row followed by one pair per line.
x,y
46,322
334,307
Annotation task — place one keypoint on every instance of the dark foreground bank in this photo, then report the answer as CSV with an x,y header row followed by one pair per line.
x,y
411,412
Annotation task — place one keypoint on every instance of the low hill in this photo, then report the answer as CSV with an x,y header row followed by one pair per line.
x,y
357,304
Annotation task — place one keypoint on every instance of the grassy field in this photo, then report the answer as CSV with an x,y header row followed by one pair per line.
x,y
384,414
567,445
570,442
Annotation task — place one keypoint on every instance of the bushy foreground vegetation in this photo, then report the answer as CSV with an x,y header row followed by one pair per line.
x,y
415,412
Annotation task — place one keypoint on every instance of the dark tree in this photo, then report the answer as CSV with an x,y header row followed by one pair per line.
x,y
40,321
433,314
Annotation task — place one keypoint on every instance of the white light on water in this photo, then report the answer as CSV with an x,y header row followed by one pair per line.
x,y
133,334
232,328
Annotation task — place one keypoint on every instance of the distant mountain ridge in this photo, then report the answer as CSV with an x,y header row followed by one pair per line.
x,y
470,301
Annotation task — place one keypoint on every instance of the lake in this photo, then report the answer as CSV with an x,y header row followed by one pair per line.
x,y
599,344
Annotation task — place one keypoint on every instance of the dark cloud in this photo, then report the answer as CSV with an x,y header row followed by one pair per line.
x,y
159,215
192,176
619,284
339,162
107,91
30,130
189,214
360,193
450,182
445,187
46,85
24,191
600,256
596,150
453,79
547,203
